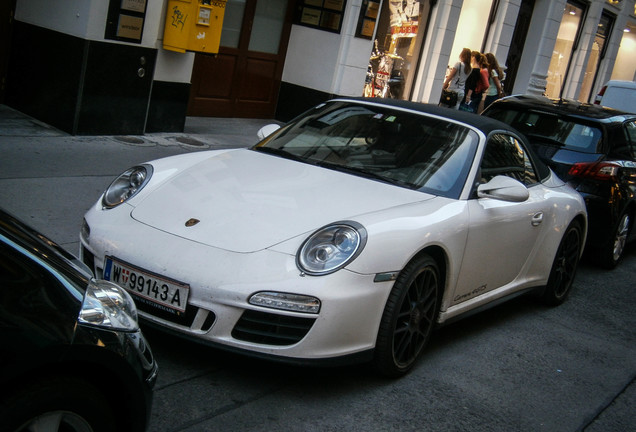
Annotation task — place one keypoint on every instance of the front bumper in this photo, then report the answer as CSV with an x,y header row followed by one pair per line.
x,y
221,283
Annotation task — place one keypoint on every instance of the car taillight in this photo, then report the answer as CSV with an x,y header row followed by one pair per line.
x,y
599,96
595,170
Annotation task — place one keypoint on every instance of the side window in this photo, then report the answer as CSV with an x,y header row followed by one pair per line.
x,y
630,131
506,156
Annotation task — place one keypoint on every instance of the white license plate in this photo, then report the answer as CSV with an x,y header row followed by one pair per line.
x,y
159,290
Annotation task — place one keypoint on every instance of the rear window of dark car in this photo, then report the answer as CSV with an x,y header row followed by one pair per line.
x,y
551,129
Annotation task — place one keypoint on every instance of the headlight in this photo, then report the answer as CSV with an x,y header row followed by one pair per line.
x,y
108,305
331,248
126,185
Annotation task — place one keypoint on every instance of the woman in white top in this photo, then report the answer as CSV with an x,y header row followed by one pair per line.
x,y
456,78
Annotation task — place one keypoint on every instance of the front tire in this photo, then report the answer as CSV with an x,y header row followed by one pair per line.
x,y
564,266
409,317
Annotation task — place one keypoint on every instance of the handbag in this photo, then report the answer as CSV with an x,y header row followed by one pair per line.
x,y
466,107
449,97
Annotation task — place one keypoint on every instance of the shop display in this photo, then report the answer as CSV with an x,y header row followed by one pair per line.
x,y
395,49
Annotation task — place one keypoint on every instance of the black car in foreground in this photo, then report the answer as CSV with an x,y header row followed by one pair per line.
x,y
593,148
72,357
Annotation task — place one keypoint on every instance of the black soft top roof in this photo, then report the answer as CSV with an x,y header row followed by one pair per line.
x,y
485,124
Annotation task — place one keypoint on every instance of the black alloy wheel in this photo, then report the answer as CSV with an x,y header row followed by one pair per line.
x,y
564,266
409,317
612,253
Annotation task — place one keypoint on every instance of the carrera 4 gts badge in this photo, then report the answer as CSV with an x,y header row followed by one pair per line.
x,y
192,222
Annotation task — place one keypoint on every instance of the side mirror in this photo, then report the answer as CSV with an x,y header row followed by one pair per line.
x,y
267,130
504,189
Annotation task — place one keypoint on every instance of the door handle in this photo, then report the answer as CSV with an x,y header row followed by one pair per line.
x,y
537,219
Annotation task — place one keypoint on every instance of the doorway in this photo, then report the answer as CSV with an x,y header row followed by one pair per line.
x,y
516,46
243,79
7,8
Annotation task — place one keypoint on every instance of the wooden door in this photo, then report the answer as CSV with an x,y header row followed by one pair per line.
x,y
243,79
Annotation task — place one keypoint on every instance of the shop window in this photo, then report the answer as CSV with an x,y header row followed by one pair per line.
x,y
397,46
471,27
625,65
566,43
603,31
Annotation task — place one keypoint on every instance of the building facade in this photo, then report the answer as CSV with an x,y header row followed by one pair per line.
x,y
100,67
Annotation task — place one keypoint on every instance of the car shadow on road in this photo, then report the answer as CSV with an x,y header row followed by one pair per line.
x,y
181,359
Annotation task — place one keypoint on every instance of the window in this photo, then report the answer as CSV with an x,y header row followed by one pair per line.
x,y
321,14
551,129
125,21
506,156
630,132
400,31
603,31
566,43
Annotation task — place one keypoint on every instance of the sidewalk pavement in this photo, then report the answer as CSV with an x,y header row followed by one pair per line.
x,y
49,178
199,132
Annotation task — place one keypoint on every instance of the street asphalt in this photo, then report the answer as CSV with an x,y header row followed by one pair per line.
x,y
516,368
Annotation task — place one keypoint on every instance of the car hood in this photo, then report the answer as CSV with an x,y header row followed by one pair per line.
x,y
244,201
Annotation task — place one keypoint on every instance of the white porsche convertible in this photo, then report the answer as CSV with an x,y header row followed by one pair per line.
x,y
346,235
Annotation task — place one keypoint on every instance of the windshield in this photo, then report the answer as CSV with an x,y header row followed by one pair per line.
x,y
547,128
407,149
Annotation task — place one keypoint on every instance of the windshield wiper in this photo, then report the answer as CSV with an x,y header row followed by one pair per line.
x,y
364,173
280,152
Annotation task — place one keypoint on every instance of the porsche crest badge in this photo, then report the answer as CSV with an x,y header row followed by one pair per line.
x,y
192,222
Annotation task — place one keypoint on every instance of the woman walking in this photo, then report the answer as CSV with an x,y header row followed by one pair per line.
x,y
476,83
495,76
456,78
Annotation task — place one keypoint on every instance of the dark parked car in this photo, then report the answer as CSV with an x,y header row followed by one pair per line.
x,y
72,357
593,148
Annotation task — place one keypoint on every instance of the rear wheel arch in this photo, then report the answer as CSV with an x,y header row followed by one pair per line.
x,y
631,210
582,221
564,266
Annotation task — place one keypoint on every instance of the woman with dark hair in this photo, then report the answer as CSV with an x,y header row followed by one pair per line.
x,y
456,78
476,83
495,76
